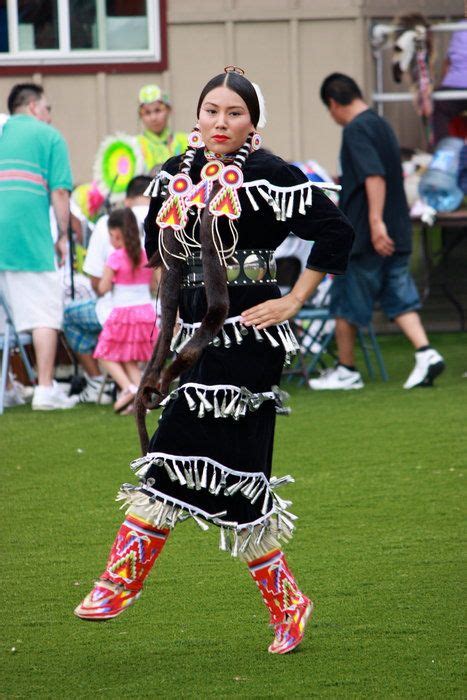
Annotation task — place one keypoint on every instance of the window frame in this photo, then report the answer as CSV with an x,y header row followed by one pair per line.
x,y
59,61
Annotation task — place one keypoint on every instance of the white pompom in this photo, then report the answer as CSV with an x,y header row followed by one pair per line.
x,y
262,121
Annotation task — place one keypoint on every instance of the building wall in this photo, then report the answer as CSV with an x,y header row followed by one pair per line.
x,y
287,46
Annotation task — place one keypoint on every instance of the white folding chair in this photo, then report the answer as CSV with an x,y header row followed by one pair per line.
x,y
10,340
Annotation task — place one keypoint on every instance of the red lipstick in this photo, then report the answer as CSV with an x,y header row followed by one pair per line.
x,y
220,138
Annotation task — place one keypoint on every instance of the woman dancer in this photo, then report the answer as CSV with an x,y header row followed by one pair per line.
x,y
216,216
129,332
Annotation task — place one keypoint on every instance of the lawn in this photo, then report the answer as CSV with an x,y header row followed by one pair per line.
x,y
378,492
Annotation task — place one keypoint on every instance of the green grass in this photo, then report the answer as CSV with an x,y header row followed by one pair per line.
x,y
379,481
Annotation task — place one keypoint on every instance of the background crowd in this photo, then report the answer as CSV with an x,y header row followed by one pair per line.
x,y
111,328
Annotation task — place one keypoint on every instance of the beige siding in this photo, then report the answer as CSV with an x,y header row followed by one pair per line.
x,y
287,46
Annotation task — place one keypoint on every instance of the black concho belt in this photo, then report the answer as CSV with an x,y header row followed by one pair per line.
x,y
244,267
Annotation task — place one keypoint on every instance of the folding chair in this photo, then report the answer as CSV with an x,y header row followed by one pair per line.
x,y
10,340
314,333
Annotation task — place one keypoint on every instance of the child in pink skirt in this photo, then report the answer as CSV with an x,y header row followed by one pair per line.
x,y
129,333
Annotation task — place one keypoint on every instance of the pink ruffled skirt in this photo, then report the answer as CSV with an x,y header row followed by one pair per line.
x,y
129,334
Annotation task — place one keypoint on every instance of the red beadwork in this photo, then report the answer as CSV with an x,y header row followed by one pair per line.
x,y
289,608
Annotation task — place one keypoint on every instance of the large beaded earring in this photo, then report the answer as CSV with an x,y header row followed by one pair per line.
x,y
256,141
195,139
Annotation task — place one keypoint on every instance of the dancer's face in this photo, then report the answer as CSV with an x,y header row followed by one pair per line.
x,y
155,116
116,237
224,120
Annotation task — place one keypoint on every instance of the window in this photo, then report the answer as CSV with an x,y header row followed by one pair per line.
x,y
82,35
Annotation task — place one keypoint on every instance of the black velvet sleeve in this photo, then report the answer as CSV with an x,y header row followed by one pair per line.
x,y
331,232
322,223
150,227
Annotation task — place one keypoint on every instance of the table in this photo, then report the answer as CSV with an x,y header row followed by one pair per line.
x,y
453,227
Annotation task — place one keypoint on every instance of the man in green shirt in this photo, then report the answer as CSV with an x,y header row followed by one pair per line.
x,y
34,172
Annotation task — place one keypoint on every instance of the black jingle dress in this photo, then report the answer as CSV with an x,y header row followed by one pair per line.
x,y
210,457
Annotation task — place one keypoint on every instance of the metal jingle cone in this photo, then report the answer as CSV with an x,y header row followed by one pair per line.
x,y
217,410
257,494
226,339
172,476
190,400
249,487
204,476
247,539
231,406
223,405
238,335
222,540
204,526
179,474
234,551
202,397
235,487
258,335
213,484
190,482
265,506
260,535
196,475
271,339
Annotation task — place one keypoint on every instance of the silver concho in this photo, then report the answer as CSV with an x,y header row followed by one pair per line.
x,y
272,264
254,267
233,270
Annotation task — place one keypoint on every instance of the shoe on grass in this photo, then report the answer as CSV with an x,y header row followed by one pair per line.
x,y
105,601
126,397
428,365
50,398
339,377
92,391
12,398
289,632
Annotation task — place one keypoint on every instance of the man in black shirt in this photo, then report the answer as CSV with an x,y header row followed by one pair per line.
x,y
373,199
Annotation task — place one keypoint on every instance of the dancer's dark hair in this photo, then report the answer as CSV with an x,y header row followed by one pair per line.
x,y
157,377
237,83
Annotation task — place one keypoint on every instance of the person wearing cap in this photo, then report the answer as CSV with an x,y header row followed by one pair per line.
x,y
158,143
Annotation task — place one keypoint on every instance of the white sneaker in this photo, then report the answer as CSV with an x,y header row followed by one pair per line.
x,y
338,377
12,398
49,398
25,392
428,365
91,391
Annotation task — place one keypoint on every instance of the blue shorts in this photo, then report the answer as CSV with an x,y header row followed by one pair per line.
x,y
81,326
372,278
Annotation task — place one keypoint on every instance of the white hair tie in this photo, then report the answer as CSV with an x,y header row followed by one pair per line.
x,y
262,121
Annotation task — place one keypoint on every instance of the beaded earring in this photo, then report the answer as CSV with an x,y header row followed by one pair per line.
x,y
256,141
195,139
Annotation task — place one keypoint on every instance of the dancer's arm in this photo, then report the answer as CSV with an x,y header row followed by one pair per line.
x,y
275,311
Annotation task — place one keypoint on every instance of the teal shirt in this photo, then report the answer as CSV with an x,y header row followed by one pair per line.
x,y
34,161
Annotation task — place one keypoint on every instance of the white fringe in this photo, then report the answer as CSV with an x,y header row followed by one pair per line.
x,y
227,400
285,335
246,541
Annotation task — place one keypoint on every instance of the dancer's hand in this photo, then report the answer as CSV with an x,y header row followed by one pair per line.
x,y
271,312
